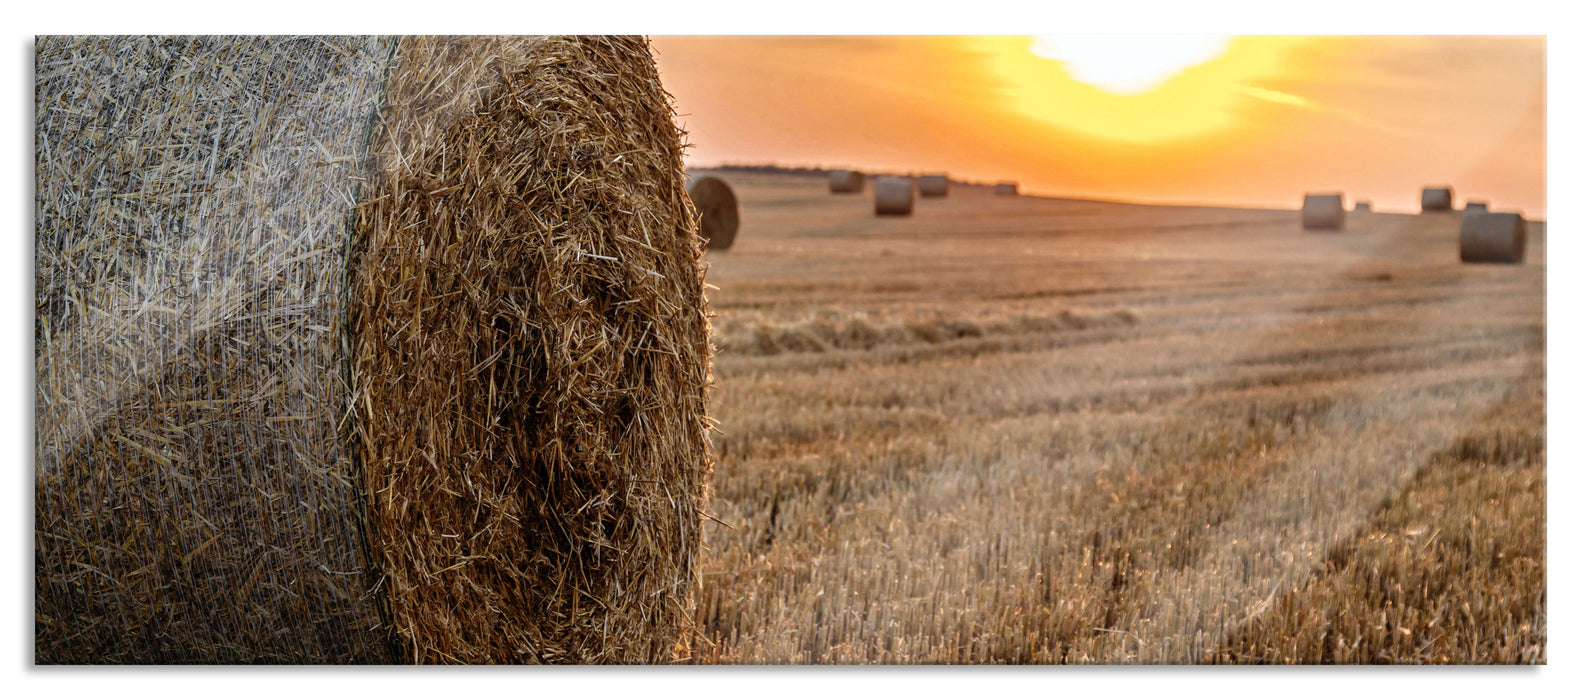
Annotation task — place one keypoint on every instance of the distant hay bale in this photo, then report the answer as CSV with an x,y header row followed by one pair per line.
x,y
892,196
363,350
1005,188
845,181
933,185
1493,237
1362,206
1476,207
721,215
1323,211
1437,198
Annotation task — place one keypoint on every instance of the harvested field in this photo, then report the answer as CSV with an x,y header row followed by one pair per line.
x,y
1031,430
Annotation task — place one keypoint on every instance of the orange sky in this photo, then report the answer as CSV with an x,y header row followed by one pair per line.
x,y
1258,124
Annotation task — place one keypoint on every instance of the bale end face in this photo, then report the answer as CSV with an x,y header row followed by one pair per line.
x,y
720,213
1323,212
845,182
530,350
1437,198
1489,237
892,196
933,185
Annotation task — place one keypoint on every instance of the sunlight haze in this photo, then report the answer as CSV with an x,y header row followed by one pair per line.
x,y
1248,120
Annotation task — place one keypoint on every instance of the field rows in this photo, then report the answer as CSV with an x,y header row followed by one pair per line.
x,y
1022,430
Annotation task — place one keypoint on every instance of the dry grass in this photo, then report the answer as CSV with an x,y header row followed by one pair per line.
x,y
1438,198
1450,570
845,182
1204,481
192,198
357,352
1323,211
531,354
1493,237
893,196
719,217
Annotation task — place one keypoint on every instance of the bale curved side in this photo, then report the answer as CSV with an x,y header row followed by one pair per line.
x,y
933,185
1362,206
1476,207
531,354
892,196
1493,237
1005,189
721,214
845,181
1323,212
1438,198
191,500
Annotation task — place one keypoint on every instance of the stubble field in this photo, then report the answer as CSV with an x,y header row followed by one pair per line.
x,y
1025,430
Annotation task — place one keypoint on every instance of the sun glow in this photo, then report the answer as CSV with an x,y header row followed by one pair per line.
x,y
1135,88
1127,64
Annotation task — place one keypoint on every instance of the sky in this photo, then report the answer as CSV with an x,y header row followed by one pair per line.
x,y
1232,120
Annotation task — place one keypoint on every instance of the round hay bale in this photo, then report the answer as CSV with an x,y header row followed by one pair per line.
x,y
1438,198
892,196
340,361
1323,212
1362,206
1005,188
1476,207
933,185
1493,237
845,181
721,215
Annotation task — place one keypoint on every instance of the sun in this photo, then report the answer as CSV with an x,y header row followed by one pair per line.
x,y
1128,64
1136,88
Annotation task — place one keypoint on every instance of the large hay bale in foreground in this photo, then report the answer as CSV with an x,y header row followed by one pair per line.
x,y
461,421
1005,188
1438,198
1323,212
845,181
1493,237
721,215
933,185
1474,207
892,196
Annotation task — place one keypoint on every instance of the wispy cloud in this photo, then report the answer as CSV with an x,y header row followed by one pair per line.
x,y
1275,96
1286,98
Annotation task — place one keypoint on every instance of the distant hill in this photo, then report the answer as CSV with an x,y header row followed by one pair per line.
x,y
771,169
767,170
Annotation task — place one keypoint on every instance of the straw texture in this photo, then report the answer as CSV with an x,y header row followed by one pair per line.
x,y
892,196
191,203
530,340
462,421
933,185
1492,237
1438,198
845,181
1323,212
720,214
